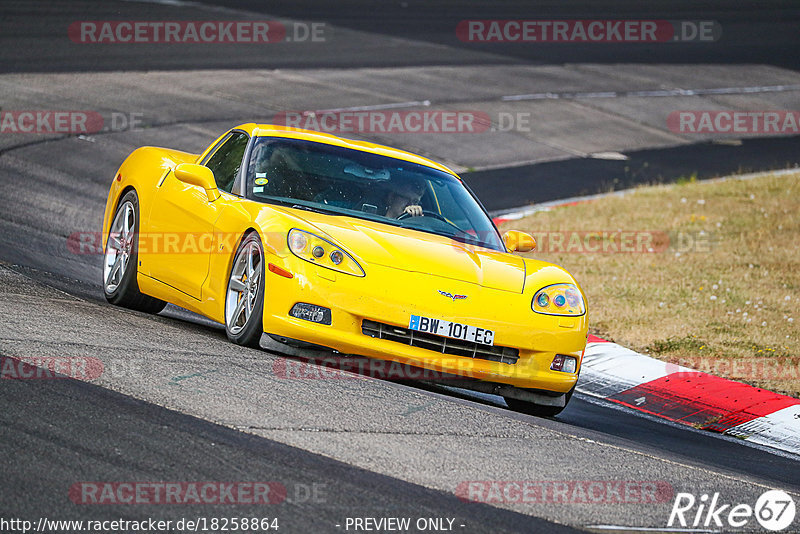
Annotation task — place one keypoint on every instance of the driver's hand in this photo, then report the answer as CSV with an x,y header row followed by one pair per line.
x,y
414,210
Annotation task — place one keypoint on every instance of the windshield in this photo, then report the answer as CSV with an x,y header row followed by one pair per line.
x,y
343,181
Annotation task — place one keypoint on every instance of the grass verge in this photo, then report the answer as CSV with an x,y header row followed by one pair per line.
x,y
702,274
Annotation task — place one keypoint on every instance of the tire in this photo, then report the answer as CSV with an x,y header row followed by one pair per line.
x,y
121,257
244,297
537,409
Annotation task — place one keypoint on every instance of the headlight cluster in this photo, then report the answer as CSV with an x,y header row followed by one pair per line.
x,y
315,249
559,299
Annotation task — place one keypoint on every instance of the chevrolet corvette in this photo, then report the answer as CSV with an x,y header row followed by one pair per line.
x,y
348,246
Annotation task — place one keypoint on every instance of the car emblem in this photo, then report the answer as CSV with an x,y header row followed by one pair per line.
x,y
451,296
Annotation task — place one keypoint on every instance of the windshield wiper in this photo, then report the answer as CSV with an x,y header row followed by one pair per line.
x,y
314,209
290,203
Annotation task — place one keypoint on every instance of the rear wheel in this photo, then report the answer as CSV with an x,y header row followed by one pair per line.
x,y
244,298
538,410
121,259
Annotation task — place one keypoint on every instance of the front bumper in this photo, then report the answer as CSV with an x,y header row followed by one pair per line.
x,y
390,296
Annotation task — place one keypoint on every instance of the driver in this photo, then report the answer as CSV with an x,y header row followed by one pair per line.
x,y
404,196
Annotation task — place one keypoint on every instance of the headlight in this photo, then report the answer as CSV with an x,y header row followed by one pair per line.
x,y
317,250
559,299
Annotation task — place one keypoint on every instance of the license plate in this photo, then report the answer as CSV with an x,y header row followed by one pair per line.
x,y
452,330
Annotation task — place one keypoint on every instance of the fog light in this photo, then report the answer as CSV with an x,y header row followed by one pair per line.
x,y
311,312
564,363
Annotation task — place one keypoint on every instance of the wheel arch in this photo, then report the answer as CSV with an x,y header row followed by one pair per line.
x,y
250,333
113,205
143,170
246,232
218,285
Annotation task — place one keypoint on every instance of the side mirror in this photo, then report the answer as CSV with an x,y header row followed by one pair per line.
x,y
199,175
519,241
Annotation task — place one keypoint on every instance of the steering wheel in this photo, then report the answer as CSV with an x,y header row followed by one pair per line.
x,y
406,215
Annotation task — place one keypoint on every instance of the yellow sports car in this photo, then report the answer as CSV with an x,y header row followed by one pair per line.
x,y
346,245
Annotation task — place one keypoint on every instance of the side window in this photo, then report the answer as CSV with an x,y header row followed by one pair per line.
x,y
227,159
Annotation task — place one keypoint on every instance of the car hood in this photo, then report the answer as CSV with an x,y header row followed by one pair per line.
x,y
415,251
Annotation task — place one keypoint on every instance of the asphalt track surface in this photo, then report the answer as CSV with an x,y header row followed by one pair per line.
x,y
177,402
415,33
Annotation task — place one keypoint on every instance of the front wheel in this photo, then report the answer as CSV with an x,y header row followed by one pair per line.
x,y
244,299
539,410
121,258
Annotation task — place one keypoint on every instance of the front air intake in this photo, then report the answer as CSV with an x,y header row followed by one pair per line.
x,y
440,344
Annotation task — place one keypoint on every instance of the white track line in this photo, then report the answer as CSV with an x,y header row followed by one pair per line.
x,y
659,93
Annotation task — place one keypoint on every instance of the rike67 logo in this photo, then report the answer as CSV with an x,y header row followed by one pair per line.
x,y
774,510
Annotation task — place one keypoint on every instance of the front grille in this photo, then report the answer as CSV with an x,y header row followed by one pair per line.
x,y
441,344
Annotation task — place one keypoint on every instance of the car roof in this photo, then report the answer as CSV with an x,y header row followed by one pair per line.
x,y
274,130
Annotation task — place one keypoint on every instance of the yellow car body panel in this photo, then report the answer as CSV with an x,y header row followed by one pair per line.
x,y
406,272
